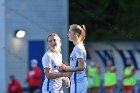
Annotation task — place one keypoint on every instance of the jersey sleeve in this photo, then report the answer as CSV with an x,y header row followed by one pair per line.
x,y
46,61
79,53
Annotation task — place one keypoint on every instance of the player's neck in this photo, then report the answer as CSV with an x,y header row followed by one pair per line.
x,y
76,42
55,51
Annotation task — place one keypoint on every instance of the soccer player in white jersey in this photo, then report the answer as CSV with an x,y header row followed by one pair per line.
x,y
51,61
77,66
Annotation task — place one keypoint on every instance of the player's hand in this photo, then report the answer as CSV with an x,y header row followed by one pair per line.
x,y
62,68
67,81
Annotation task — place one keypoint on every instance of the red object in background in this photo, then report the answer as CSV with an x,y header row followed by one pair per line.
x,y
133,70
34,77
14,87
110,88
128,88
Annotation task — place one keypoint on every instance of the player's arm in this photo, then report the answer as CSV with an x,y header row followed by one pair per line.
x,y
81,66
47,65
67,81
79,54
50,75
132,73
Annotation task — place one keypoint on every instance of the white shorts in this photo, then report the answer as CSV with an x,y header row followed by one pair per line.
x,y
44,89
81,86
52,92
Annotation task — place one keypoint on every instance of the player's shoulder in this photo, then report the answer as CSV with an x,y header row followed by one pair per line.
x,y
48,53
80,47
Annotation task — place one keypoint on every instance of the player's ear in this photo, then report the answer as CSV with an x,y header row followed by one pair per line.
x,y
76,36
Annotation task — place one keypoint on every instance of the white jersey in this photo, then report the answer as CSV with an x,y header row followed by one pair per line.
x,y
53,61
78,52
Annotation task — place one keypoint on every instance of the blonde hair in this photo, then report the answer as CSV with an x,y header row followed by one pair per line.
x,y
55,34
80,30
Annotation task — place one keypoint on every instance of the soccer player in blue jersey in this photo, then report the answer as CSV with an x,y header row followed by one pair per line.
x,y
51,61
78,79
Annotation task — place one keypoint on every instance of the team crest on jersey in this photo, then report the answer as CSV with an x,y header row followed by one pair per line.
x,y
71,58
53,64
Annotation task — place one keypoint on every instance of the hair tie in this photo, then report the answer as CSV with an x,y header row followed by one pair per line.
x,y
83,27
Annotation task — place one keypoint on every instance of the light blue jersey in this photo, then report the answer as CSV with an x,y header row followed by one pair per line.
x,y
53,61
78,78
